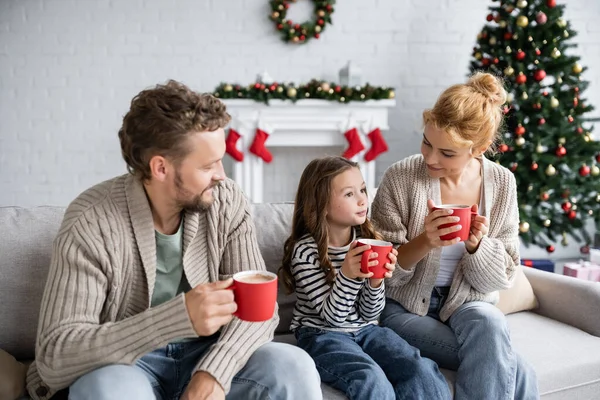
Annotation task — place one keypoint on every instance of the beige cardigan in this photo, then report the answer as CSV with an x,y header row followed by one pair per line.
x,y
96,310
399,211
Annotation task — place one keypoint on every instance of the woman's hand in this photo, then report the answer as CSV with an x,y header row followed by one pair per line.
x,y
351,265
433,220
391,267
479,227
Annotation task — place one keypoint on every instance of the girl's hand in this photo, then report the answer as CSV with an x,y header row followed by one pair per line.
x,y
433,220
351,265
391,267
479,227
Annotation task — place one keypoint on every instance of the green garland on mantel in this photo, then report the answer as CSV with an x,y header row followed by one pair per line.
x,y
314,89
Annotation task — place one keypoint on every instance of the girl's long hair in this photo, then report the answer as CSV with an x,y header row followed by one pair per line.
x,y
310,213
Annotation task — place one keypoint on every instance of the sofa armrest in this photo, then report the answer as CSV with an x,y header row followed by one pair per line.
x,y
569,300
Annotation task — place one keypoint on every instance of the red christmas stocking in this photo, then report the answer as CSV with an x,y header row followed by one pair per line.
x,y
378,145
258,146
230,145
355,145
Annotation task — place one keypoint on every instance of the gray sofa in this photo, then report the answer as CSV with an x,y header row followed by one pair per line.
x,y
561,339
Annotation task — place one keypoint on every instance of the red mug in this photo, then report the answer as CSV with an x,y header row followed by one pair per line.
x,y
464,213
255,294
383,249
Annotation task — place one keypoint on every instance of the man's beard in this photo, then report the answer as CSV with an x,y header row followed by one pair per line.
x,y
188,201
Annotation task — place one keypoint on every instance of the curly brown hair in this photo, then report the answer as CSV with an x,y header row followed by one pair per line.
x,y
310,215
160,120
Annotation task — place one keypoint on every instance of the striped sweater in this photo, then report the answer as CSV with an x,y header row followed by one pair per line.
x,y
348,305
96,309
398,212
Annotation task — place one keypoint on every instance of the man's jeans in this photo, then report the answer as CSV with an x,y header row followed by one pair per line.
x,y
475,342
372,363
274,371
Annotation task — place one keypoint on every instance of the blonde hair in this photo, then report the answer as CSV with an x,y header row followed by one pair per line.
x,y
471,113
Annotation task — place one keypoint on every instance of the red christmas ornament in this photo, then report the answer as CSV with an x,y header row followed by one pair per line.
x,y
534,166
520,55
561,151
570,118
262,87
507,35
520,130
279,26
539,75
538,52
598,157
542,121
566,206
485,62
289,22
545,93
257,85
550,249
337,89
551,3
544,196
579,130
496,60
490,17
537,106
584,170
317,36
576,89
286,5
504,148
541,18
584,249
513,166
572,214
328,7
575,102
297,27
521,78
302,38
320,22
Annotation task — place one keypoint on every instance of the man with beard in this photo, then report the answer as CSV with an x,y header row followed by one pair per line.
x,y
136,304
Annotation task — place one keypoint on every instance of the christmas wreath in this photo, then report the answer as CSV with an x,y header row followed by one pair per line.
x,y
301,33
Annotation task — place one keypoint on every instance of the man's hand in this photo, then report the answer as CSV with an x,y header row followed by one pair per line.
x,y
210,306
203,386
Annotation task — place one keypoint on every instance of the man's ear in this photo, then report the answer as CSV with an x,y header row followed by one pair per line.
x,y
158,168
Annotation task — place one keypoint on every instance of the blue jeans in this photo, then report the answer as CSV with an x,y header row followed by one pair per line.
x,y
475,342
372,363
272,372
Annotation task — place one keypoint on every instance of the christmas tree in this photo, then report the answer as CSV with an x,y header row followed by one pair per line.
x,y
548,141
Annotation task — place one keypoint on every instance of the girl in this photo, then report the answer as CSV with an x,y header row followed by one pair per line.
x,y
442,296
335,318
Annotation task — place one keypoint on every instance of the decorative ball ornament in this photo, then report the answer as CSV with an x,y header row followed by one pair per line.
x,y
325,86
572,214
493,40
561,151
524,96
544,196
524,227
539,148
539,75
598,157
551,3
502,24
520,130
555,53
542,121
478,56
553,102
550,249
547,223
577,68
508,71
595,171
566,206
520,141
228,88
550,170
522,21
565,34
541,18
584,249
520,55
508,50
292,92
564,240
584,170
562,140
534,166
521,3
561,23
521,78
503,148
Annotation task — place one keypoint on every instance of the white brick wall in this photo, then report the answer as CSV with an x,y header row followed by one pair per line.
x,y
68,69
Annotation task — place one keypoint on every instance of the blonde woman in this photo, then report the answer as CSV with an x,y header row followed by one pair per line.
x,y
442,297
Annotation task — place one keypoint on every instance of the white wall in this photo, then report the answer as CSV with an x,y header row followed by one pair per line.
x,y
69,68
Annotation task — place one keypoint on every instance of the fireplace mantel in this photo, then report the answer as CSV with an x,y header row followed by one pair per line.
x,y
306,123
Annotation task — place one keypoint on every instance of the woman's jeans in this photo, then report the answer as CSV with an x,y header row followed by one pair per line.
x,y
372,363
274,371
475,342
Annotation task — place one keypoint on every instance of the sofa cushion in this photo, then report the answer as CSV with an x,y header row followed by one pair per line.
x,y
566,359
519,297
273,227
25,245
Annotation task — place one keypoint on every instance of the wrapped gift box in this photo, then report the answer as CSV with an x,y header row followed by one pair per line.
x,y
543,264
583,270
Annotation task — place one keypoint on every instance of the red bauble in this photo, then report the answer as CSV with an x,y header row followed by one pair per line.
x,y
545,93
561,151
485,62
257,85
539,75
541,18
584,170
320,22
337,89
273,87
496,60
572,214
520,55
576,89
507,35
513,166
534,166
570,119
575,102
537,106
566,206
544,196
317,36
490,17
279,26
504,148
538,52
579,130
551,3
328,7
550,249
521,78
289,22
262,87
542,121
297,27
520,130
302,38
598,157
286,5
585,249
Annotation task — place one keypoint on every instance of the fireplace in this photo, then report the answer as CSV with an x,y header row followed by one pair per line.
x,y
298,132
